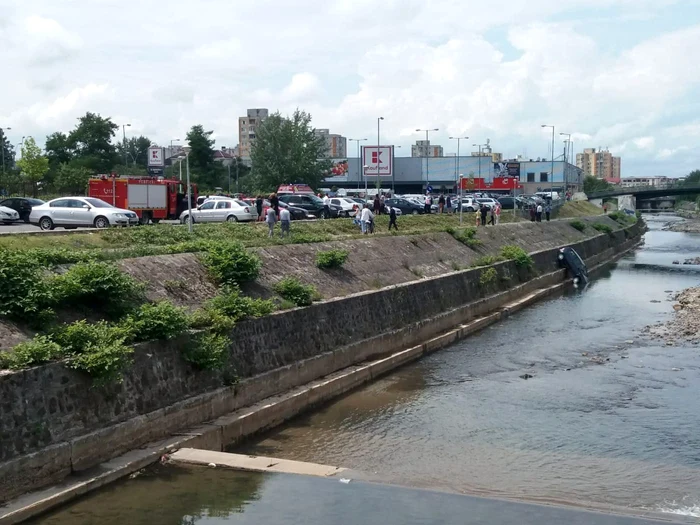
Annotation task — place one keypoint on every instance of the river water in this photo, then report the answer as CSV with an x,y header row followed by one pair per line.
x,y
609,419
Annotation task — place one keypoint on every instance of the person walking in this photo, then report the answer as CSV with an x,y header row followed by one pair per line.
x,y
271,220
365,218
605,208
285,222
532,212
492,216
448,203
326,206
377,205
392,219
441,203
548,210
477,214
538,213
484,211
428,204
274,203
498,214
259,207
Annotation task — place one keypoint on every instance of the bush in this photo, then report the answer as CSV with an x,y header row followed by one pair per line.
x,y
39,350
487,260
517,254
97,284
24,291
230,263
103,361
208,351
466,236
294,291
619,216
331,259
232,304
603,228
579,225
212,319
76,338
161,320
487,277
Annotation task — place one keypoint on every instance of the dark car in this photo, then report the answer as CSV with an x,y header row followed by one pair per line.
x,y
406,206
21,205
507,203
310,203
569,259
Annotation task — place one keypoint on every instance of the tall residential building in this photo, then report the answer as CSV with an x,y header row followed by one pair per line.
x,y
336,145
423,148
247,126
600,164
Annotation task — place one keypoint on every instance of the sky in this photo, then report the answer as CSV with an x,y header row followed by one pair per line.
x,y
617,74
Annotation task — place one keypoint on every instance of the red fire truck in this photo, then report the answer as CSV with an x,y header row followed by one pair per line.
x,y
151,199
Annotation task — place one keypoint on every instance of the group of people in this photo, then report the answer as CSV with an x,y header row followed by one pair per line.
x,y
366,217
536,211
493,213
274,215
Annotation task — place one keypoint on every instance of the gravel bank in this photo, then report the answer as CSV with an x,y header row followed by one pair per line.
x,y
685,326
686,226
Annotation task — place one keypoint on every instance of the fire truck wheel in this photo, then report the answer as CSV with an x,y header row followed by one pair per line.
x,y
101,222
46,223
232,218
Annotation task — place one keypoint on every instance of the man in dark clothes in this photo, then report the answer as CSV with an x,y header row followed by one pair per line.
x,y
377,205
484,210
392,219
259,206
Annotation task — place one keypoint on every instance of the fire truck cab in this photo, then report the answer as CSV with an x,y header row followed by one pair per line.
x,y
151,199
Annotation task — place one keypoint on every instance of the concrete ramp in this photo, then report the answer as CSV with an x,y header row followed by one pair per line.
x,y
195,456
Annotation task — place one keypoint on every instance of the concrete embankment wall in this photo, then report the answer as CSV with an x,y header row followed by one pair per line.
x,y
54,422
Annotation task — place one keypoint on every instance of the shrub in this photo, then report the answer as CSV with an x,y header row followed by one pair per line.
x,y
232,304
208,351
619,216
487,260
212,319
161,320
579,225
603,228
230,263
39,350
97,284
517,254
76,338
24,291
293,290
467,237
103,361
487,277
331,259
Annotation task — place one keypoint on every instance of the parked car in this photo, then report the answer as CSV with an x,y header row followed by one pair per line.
x,y
569,259
507,203
489,202
348,206
405,206
8,215
21,205
204,198
310,203
221,210
72,212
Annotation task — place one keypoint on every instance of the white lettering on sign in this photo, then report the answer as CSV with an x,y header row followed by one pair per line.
x,y
155,156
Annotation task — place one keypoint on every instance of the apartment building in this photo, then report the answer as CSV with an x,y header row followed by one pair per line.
x,y
336,145
600,164
247,126
423,148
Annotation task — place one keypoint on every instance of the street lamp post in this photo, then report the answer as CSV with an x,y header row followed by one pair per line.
x,y
379,119
458,139
189,192
566,159
359,160
126,160
551,183
2,146
427,157
479,146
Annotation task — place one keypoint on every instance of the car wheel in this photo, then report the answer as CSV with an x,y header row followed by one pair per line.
x,y
101,222
231,218
186,220
46,223
415,212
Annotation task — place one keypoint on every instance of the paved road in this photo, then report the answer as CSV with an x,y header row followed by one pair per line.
x,y
24,228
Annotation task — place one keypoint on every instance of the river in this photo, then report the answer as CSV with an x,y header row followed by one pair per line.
x,y
609,420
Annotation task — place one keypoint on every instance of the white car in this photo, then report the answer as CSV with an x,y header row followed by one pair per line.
x,y
221,210
8,215
72,212
349,206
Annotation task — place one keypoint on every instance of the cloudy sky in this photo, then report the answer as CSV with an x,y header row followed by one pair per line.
x,y
622,74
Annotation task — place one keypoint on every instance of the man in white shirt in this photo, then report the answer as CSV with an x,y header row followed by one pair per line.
x,y
285,221
327,206
539,213
366,218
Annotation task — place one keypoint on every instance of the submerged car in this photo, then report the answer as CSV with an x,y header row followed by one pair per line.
x,y
73,212
569,259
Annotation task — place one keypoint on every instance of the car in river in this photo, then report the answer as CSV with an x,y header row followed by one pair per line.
x,y
74,212
568,258
22,205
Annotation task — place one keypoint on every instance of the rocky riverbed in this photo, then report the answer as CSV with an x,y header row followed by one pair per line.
x,y
686,226
685,326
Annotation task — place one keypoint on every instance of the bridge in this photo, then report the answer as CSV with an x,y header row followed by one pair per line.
x,y
646,192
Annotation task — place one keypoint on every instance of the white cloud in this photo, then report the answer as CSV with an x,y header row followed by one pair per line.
x,y
302,87
75,102
48,41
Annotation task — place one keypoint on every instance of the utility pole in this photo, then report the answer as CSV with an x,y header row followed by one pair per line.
x,y
189,194
458,139
551,184
126,159
379,119
359,160
566,160
427,156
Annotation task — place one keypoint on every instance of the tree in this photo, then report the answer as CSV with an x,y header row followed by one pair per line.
x,y
7,153
286,150
593,185
136,151
33,165
72,178
91,142
58,149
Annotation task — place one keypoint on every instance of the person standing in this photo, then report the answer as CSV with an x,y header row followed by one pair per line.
x,y
498,214
274,203
259,206
548,210
326,206
285,222
492,216
365,218
392,219
441,203
428,203
532,212
377,205
538,213
605,208
477,214
484,211
271,220
448,203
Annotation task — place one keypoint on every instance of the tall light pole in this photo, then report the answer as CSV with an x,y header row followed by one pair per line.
x,y
458,139
2,146
427,158
393,168
171,154
566,159
359,160
551,184
479,146
379,119
124,126
189,191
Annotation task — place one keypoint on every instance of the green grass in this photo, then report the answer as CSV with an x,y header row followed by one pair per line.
x,y
573,209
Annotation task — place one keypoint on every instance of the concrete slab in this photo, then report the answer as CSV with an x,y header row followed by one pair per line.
x,y
252,463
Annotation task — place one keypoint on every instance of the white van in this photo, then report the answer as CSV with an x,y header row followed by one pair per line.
x,y
548,195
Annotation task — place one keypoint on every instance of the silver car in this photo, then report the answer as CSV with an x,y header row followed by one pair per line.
x,y
8,215
221,210
74,212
